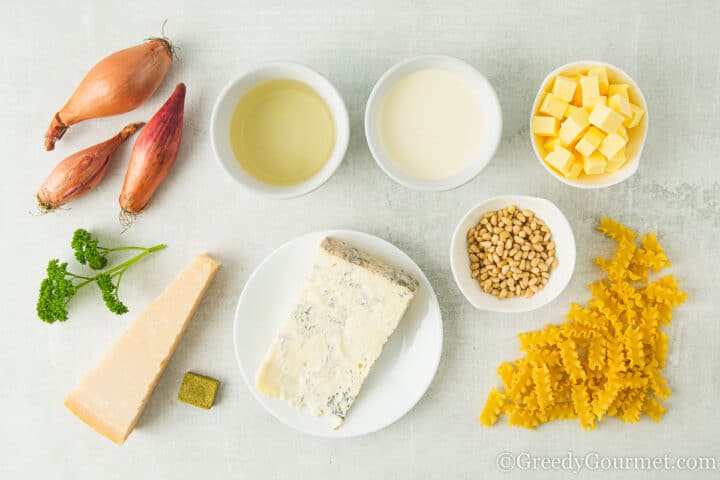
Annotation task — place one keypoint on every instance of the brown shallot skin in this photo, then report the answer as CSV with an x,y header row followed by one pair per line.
x,y
119,83
154,153
80,172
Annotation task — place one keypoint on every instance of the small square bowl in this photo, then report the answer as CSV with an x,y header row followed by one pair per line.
x,y
565,253
634,147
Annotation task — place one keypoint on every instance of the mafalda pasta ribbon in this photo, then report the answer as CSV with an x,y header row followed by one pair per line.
x,y
607,358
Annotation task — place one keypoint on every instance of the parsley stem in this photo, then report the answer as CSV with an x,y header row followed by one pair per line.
x,y
117,283
70,274
124,266
118,249
120,269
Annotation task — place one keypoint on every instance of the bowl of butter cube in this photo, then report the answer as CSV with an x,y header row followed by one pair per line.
x,y
588,124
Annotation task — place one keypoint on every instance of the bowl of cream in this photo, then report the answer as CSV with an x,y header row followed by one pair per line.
x,y
433,122
280,129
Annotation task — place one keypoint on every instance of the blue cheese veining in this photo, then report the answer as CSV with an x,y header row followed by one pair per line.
x,y
350,305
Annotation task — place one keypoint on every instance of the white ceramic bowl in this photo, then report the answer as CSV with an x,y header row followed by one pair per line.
x,y
564,250
634,148
490,105
225,106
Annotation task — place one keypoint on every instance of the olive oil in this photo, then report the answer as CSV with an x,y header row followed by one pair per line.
x,y
282,132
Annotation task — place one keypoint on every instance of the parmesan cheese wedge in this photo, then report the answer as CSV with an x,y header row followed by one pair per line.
x,y
112,396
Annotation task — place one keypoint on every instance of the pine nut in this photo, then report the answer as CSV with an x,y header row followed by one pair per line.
x,y
511,252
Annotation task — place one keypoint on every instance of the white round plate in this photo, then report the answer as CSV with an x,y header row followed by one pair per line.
x,y
400,376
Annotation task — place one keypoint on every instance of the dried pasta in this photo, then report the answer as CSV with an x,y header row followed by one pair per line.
x,y
606,359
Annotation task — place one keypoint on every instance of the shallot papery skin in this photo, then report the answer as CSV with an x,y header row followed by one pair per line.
x,y
80,172
154,153
119,83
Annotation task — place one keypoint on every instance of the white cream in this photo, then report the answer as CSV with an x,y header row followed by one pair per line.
x,y
431,124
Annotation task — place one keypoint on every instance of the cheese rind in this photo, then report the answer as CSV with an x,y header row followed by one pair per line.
x,y
111,397
349,306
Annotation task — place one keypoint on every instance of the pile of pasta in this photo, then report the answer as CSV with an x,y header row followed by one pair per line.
x,y
607,358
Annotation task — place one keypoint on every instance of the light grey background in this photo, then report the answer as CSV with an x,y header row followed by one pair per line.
x,y
669,47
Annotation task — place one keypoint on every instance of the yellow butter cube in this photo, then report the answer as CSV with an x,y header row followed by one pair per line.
x,y
561,159
611,145
571,108
574,171
606,119
615,163
551,143
545,126
620,104
553,106
636,117
590,87
622,131
619,89
564,88
601,73
589,103
577,97
574,126
590,141
594,164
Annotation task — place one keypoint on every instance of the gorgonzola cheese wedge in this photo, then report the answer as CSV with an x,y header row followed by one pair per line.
x,y
349,306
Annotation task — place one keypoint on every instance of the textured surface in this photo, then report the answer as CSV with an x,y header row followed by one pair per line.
x,y
670,49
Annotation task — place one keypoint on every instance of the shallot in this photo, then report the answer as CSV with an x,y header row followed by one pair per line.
x,y
119,83
153,155
80,172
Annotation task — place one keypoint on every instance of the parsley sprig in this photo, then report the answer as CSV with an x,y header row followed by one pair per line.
x,y
60,285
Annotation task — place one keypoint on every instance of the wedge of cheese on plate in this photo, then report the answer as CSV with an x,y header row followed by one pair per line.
x,y
112,396
349,306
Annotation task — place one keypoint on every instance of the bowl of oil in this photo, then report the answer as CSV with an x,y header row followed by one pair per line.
x,y
280,129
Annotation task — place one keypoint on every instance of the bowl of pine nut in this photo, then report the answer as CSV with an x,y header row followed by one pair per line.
x,y
512,254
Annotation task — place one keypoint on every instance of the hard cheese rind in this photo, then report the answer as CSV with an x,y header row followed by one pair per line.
x,y
111,397
350,305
